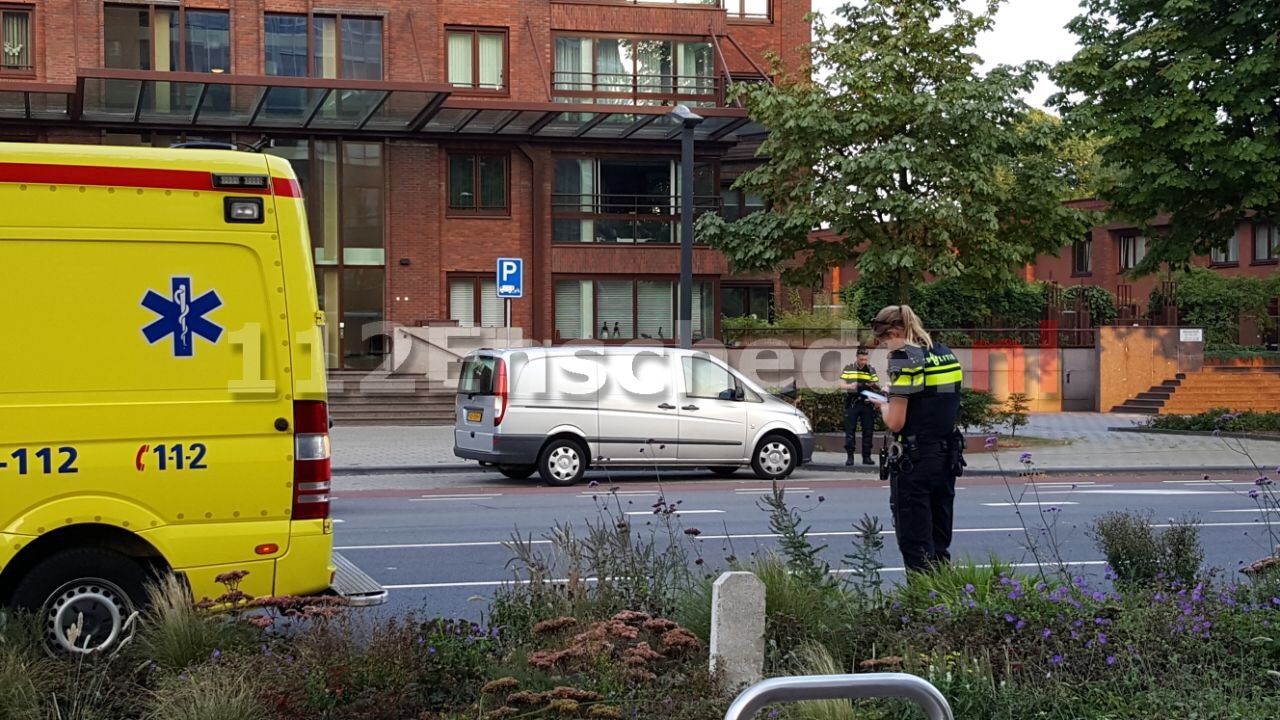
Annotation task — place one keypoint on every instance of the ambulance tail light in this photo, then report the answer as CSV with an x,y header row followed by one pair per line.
x,y
312,471
500,393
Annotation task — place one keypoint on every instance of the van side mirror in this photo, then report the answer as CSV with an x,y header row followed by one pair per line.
x,y
739,394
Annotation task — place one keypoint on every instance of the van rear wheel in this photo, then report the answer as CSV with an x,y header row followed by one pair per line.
x,y
775,458
517,472
84,598
724,471
562,462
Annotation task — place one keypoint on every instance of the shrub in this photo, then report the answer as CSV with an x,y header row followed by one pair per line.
x,y
1219,419
979,410
1138,556
1216,302
1015,412
174,633
1099,301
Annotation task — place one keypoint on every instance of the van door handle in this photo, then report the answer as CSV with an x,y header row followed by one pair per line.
x,y
689,407
667,406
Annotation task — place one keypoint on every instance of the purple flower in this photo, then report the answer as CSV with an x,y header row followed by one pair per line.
x,y
990,443
968,588
1056,660
1047,632
1253,494
1024,458
1111,660
1263,480
216,654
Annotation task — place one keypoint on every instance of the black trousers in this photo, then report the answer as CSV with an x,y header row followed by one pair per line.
x,y
922,497
854,413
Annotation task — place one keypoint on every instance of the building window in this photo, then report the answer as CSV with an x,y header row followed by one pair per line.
x,y
1133,248
1227,255
474,302
735,204
747,9
477,58
740,301
623,309
15,32
166,38
634,70
1082,256
1266,242
344,186
624,200
323,46
478,183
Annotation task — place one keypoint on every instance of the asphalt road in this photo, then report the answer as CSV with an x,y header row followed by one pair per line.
x,y
436,541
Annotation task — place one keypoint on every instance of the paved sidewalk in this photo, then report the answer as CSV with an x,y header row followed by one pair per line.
x,y
1092,448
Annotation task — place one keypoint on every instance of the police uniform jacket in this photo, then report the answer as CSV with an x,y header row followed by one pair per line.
x,y
864,377
929,378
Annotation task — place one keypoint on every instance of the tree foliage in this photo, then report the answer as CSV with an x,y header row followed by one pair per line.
x,y
1217,302
1185,91
918,165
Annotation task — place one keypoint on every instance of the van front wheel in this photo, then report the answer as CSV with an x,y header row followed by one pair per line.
x,y
85,597
563,462
774,458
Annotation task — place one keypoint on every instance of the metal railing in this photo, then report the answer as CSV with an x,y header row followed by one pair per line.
x,y
841,687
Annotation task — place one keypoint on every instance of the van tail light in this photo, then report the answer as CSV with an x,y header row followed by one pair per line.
x,y
312,469
500,393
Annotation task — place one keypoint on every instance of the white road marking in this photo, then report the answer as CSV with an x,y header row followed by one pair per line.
x,y
744,536
338,520
438,498
1029,504
679,512
769,491
1154,491
1250,510
628,493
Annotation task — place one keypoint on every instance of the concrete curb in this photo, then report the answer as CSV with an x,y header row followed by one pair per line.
x,y
855,470
1197,433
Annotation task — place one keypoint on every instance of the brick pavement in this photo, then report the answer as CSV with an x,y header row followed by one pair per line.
x,y
1092,448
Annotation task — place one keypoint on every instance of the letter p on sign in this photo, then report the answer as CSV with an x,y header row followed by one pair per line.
x,y
510,277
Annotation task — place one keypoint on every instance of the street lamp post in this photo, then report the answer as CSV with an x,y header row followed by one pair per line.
x,y
688,121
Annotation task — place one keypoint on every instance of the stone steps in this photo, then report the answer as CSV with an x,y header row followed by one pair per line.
x,y
360,398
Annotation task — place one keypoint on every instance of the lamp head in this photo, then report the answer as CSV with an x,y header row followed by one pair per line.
x,y
687,117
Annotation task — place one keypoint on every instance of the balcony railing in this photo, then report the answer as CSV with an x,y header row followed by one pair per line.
x,y
621,218
639,89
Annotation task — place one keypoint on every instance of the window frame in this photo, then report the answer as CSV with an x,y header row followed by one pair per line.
x,y
741,15
574,212
1087,243
337,18
1228,258
475,210
592,95
1272,256
477,280
30,12
769,312
1123,256
182,10
476,31
713,281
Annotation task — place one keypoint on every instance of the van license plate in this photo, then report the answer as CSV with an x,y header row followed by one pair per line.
x,y
474,415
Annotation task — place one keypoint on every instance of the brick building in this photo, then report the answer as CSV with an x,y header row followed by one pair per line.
x,y
434,137
1107,251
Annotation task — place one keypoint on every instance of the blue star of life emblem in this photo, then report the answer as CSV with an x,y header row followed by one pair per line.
x,y
182,317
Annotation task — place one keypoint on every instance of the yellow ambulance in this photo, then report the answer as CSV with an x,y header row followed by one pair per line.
x,y
163,405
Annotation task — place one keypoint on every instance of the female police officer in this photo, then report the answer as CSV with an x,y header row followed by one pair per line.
x,y
924,404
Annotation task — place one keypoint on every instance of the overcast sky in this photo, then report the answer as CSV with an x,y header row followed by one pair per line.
x,y
1024,30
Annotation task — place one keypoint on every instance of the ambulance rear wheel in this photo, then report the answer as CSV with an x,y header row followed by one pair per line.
x,y
84,598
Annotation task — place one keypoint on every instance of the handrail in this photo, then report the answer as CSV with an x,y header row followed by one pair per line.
x,y
840,687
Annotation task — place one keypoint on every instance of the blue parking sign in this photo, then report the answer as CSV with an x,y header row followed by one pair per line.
x,y
510,277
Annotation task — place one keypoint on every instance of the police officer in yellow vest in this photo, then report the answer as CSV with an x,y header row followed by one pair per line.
x,y
927,452
854,379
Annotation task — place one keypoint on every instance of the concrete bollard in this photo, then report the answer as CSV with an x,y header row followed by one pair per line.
x,y
737,628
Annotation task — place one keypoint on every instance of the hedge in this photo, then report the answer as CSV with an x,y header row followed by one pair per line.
x,y
1219,419
979,411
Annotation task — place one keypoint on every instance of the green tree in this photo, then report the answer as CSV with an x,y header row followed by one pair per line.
x,y
1185,93
918,164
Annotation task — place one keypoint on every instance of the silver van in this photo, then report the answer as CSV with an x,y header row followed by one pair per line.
x,y
559,410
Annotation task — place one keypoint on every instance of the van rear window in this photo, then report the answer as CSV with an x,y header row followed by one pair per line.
x,y
478,376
